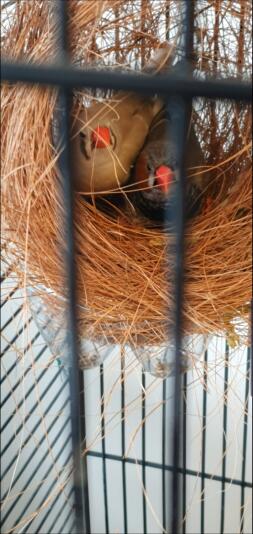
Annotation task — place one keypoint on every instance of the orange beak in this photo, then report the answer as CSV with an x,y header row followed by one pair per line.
x,y
164,176
101,137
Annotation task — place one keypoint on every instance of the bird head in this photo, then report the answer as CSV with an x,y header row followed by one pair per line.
x,y
164,176
89,140
107,139
152,175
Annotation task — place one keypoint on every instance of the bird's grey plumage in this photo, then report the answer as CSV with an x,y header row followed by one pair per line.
x,y
160,149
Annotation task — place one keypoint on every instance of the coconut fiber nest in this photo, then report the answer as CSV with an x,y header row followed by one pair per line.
x,y
123,262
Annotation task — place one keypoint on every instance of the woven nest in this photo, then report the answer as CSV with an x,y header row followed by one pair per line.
x,y
123,278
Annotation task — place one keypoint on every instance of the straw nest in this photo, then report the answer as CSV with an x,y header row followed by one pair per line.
x,y
123,278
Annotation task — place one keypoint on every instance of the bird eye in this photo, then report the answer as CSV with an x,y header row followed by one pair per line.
x,y
82,137
84,145
113,140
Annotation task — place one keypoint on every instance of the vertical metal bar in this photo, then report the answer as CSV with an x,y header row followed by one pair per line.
x,y
167,19
103,448
251,348
143,414
59,514
123,438
164,457
75,376
84,460
142,31
184,451
123,442
180,111
224,441
245,432
203,459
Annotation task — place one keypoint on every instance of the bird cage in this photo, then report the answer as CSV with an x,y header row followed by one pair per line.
x,y
114,327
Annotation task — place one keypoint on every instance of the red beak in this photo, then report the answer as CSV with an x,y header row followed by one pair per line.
x,y
101,137
164,176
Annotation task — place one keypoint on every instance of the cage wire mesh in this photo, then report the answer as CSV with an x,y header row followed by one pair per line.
x,y
128,435
128,413
209,305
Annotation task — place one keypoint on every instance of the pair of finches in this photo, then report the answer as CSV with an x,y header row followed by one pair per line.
x,y
127,139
